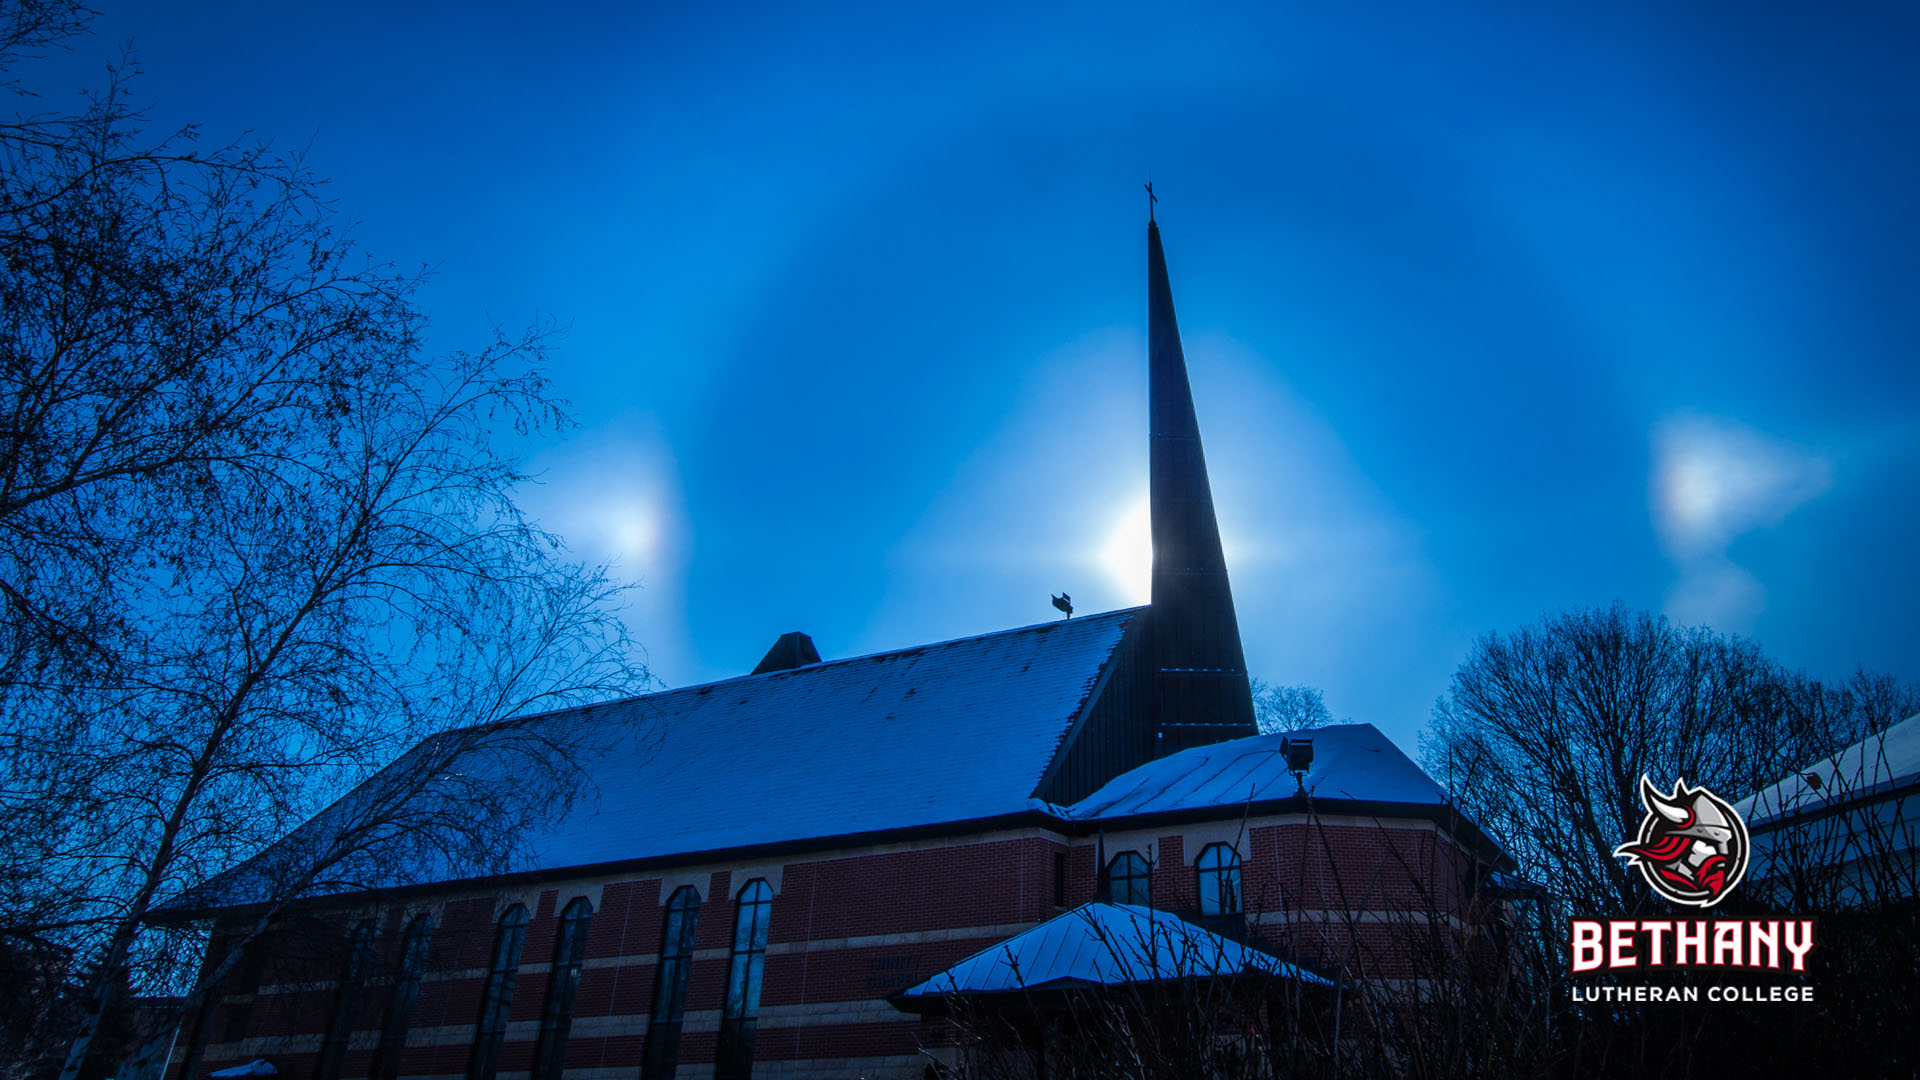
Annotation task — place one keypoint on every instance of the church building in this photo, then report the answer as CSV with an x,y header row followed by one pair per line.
x,y
748,894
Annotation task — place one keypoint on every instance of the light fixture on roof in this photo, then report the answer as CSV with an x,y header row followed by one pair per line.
x,y
1298,750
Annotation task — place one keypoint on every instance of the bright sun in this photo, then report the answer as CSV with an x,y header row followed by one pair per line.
x,y
1128,554
632,531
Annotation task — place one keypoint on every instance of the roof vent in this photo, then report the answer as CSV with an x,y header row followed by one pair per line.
x,y
791,651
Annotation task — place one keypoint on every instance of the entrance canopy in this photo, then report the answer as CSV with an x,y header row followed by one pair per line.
x,y
252,1070
1099,944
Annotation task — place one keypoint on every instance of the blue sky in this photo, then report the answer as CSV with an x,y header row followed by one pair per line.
x,y
1489,310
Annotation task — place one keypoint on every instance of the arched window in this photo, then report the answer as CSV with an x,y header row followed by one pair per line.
x,y
1128,880
570,948
353,976
406,990
498,998
670,991
737,1023
1219,868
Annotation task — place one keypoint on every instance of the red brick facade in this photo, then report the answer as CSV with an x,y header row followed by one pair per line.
x,y
847,929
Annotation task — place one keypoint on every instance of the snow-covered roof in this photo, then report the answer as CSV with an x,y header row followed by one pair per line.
x,y
1350,761
1100,944
926,737
1875,766
923,736
1512,886
955,731
256,1068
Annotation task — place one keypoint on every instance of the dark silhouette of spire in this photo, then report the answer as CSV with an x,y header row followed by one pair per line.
x,y
1201,693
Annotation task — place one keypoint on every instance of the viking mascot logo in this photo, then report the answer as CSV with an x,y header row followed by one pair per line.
x,y
1692,847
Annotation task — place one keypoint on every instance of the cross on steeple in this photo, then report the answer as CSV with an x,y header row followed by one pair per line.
x,y
1151,199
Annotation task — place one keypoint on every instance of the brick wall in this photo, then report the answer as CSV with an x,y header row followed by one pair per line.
x,y
846,930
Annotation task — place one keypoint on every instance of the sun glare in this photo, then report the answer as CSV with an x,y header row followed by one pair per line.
x,y
632,532
1128,554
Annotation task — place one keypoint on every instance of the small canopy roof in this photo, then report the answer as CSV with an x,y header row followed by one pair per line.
x,y
255,1068
1099,944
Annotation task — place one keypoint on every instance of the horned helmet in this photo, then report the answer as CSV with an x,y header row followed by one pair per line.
x,y
1692,845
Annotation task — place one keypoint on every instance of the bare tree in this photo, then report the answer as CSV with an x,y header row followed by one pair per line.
x,y
1288,708
1545,733
255,548
1445,974
1542,739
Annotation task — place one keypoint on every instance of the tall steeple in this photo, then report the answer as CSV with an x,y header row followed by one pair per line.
x,y
1201,693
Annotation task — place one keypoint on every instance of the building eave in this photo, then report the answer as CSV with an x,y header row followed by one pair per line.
x,y
1029,818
